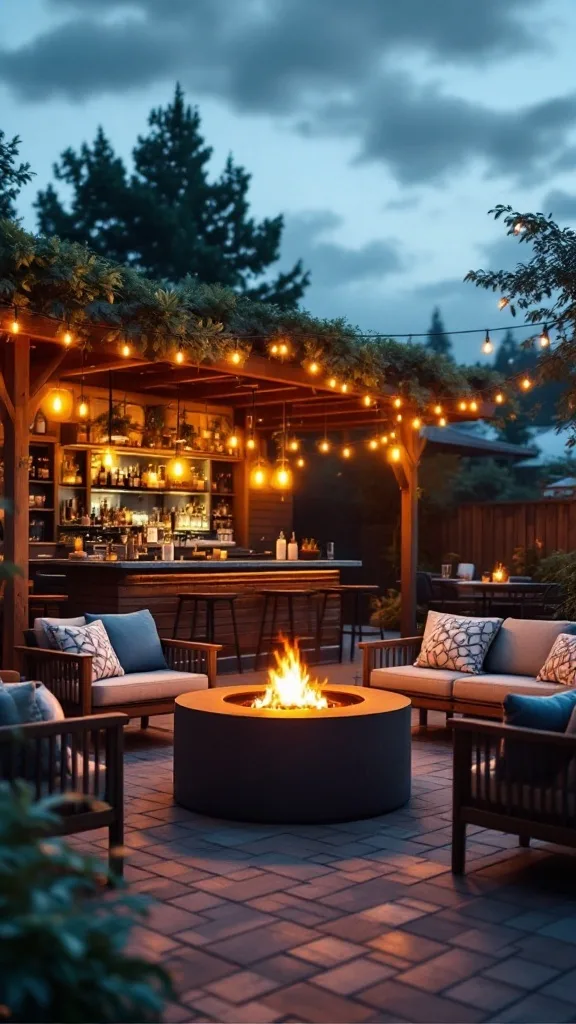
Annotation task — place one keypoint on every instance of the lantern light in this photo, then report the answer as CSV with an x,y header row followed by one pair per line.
x,y
274,350
283,348
499,398
233,441
282,477
384,439
251,444
300,463
179,357
373,444
58,405
442,421
473,406
236,357
395,455
346,452
393,435
324,446
397,403
487,347
68,338
344,388
83,409
526,384
438,410
399,418
332,383
544,338
126,350
313,368
293,444
416,423
462,406
367,401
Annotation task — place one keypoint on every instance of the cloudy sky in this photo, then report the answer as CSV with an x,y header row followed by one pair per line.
x,y
383,129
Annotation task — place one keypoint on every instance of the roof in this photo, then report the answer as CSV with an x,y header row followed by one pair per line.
x,y
464,442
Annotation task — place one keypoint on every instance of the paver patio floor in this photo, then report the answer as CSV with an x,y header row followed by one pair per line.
x,y
360,921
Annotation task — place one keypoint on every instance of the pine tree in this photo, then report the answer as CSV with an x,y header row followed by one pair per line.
x,y
437,340
12,176
166,217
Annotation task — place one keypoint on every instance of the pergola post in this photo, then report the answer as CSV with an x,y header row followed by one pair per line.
x,y
14,405
406,472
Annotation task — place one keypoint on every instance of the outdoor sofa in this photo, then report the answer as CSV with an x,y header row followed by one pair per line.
x,y
511,665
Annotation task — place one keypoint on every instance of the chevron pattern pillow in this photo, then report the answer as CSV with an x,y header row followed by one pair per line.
x,y
560,665
92,639
458,643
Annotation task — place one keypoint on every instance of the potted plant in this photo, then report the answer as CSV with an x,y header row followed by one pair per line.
x,y
154,419
120,423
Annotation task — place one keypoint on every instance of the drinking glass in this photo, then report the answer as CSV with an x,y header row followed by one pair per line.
x,y
330,550
446,572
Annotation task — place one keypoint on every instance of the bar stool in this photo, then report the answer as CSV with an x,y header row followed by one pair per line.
x,y
356,591
272,600
210,602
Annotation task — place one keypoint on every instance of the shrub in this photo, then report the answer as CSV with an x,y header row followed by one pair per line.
x,y
560,568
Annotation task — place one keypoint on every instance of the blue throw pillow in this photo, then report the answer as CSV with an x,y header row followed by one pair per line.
x,y
517,762
8,710
551,713
135,639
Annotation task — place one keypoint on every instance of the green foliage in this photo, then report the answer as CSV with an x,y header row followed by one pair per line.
x,y
13,176
544,290
62,943
437,340
560,568
67,280
166,218
526,561
449,480
386,610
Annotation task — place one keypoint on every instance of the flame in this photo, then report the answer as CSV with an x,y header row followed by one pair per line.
x,y
289,684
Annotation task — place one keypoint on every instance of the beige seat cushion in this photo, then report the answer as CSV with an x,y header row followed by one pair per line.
x,y
492,689
141,686
437,682
522,645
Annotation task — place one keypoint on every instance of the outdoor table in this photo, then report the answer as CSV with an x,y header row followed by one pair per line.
x,y
488,592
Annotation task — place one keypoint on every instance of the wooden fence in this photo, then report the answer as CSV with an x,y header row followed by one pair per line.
x,y
488,533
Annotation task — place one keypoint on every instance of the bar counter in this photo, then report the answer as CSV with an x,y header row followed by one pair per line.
x,y
116,587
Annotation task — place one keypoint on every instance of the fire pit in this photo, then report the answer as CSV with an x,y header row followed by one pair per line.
x,y
295,751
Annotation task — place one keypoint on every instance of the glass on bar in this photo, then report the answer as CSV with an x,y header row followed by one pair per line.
x,y
446,570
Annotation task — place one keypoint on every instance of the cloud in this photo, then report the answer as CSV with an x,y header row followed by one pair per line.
x,y
331,264
562,205
330,67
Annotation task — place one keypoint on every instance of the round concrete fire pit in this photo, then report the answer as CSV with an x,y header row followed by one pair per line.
x,y
351,760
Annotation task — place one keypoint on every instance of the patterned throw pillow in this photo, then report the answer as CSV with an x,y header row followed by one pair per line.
x,y
560,665
92,639
458,643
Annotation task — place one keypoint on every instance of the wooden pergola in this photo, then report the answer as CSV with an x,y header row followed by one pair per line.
x,y
35,359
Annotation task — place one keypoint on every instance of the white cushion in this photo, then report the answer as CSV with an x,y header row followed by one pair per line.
x,y
492,689
43,638
93,640
408,679
141,686
560,665
522,645
458,642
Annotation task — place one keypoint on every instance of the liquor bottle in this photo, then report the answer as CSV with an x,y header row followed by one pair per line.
x,y
102,476
31,468
162,478
136,477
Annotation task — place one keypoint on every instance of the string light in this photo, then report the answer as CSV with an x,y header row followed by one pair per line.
x,y
438,410
544,338
526,384
442,421
274,350
473,406
487,347
346,452
384,439
503,302
83,409
399,418
300,462
499,398
324,446
344,388
236,357
293,444
367,401
393,435
416,423
332,383
251,444
283,348
282,477
126,350
233,441
313,368
179,357
395,455
279,348
397,403
15,326
68,338
259,475
373,444
462,406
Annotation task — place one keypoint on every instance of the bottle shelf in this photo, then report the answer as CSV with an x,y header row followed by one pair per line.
x,y
73,487
146,490
39,508
34,480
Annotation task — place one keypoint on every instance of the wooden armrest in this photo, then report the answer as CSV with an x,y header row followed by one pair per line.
x,y
49,655
400,641
67,676
8,676
67,726
499,730
192,656
388,654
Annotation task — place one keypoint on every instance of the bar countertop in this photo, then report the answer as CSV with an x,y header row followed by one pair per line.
x,y
199,565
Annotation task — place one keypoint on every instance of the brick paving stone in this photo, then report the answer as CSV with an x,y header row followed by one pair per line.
x,y
392,914
409,947
259,943
167,919
285,969
354,927
563,987
195,901
354,976
484,993
530,921
536,1009
446,969
524,973
310,1003
564,929
242,986
552,952
489,939
419,1007
192,967
235,921
327,951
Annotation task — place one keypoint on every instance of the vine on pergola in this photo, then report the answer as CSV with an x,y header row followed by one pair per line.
x,y
207,323
544,289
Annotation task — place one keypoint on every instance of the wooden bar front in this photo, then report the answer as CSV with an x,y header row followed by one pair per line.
x,y
119,587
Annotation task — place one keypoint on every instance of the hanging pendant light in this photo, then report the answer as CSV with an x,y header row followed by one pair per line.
x,y
177,469
58,405
83,407
282,476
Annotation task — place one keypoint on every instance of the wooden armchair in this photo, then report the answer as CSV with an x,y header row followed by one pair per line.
x,y
69,677
81,756
489,790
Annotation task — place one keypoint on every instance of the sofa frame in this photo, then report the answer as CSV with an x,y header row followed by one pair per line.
x,y
404,651
69,676
90,765
532,810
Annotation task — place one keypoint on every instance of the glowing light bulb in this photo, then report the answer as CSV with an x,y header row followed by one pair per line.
x,y
462,406
177,469
179,357
67,338
283,349
293,445
487,347
233,441
126,350
344,388
399,418
324,446
416,423
393,435
503,302
526,384
442,421
332,382
544,339
258,475
83,409
251,444
367,401
384,439
15,326
395,455
57,404
346,452
473,406
438,410
499,398
282,477
274,350
373,444
108,459
397,403
313,368
236,357
300,463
